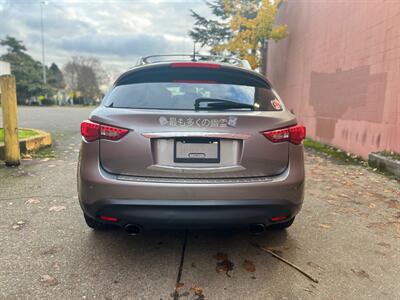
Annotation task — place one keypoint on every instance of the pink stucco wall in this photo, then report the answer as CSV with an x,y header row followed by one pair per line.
x,y
339,71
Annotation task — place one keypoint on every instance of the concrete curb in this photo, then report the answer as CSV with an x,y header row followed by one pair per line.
x,y
384,163
34,143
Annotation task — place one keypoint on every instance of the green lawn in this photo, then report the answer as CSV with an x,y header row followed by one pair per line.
x,y
332,151
22,134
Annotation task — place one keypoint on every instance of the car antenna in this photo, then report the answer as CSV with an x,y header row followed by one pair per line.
x,y
194,51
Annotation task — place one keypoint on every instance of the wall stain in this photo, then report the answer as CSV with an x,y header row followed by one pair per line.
x,y
353,94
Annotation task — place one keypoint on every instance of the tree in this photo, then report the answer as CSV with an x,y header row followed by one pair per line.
x,y
12,45
83,75
55,77
27,71
242,28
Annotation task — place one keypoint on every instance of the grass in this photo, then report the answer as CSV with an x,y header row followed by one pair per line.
x,y
348,158
22,134
333,152
47,152
393,155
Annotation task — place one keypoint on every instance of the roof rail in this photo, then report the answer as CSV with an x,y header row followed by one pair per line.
x,y
192,57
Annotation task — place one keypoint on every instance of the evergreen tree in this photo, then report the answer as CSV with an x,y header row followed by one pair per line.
x,y
241,28
55,77
27,71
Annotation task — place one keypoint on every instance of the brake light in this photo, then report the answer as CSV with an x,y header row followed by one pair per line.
x,y
195,65
92,131
294,134
194,81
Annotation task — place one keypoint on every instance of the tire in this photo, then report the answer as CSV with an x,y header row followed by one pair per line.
x,y
283,225
96,225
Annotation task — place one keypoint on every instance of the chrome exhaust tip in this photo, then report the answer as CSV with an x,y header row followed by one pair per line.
x,y
132,229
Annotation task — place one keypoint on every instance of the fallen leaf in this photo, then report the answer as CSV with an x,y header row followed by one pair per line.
x,y
196,290
18,225
51,251
57,208
361,273
224,266
393,203
376,225
48,280
326,226
383,244
179,285
32,201
249,265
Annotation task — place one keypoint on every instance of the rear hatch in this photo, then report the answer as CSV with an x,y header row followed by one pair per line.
x,y
193,120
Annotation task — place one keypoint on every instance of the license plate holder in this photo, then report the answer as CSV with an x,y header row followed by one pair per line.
x,y
197,150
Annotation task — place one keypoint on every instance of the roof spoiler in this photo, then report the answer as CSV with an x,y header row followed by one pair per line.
x,y
195,57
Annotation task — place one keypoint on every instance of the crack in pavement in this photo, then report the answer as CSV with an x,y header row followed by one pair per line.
x,y
178,278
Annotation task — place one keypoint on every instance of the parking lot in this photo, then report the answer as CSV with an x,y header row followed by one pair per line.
x,y
347,236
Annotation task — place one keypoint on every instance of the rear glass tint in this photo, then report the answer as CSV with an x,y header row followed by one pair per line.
x,y
179,89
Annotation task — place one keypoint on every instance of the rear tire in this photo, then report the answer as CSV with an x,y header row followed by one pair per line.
x,y
96,225
283,225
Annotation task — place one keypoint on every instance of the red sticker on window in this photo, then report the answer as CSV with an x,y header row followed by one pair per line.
x,y
276,104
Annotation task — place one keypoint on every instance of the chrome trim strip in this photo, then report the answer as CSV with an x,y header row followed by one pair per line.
x,y
195,180
199,170
222,135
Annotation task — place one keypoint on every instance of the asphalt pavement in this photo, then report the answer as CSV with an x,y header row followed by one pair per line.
x,y
347,236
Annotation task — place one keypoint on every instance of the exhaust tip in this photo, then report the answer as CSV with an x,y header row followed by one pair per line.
x,y
132,229
257,228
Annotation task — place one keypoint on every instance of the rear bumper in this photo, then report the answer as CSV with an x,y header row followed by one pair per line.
x,y
182,202
192,213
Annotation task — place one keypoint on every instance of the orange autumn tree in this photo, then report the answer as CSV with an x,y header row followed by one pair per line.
x,y
242,28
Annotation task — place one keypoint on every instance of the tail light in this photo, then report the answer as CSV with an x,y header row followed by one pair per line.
x,y
294,134
92,131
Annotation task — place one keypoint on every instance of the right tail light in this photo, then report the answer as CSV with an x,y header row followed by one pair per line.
x,y
294,134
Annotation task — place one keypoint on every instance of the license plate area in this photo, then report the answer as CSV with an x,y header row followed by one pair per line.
x,y
197,150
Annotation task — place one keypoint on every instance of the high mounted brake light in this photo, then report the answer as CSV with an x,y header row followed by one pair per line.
x,y
92,131
195,65
294,134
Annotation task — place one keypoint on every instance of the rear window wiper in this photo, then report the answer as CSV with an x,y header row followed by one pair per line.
x,y
216,103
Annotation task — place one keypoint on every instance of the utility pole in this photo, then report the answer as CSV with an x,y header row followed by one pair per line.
x,y
42,3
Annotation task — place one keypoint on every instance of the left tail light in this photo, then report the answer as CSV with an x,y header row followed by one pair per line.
x,y
92,131
294,134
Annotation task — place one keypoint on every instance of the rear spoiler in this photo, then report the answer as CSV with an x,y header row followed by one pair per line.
x,y
196,57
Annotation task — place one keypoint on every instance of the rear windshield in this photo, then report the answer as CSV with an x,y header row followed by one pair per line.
x,y
171,93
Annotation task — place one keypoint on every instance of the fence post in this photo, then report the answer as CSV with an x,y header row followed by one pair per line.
x,y
10,121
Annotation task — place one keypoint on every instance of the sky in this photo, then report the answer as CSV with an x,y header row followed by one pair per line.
x,y
117,32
